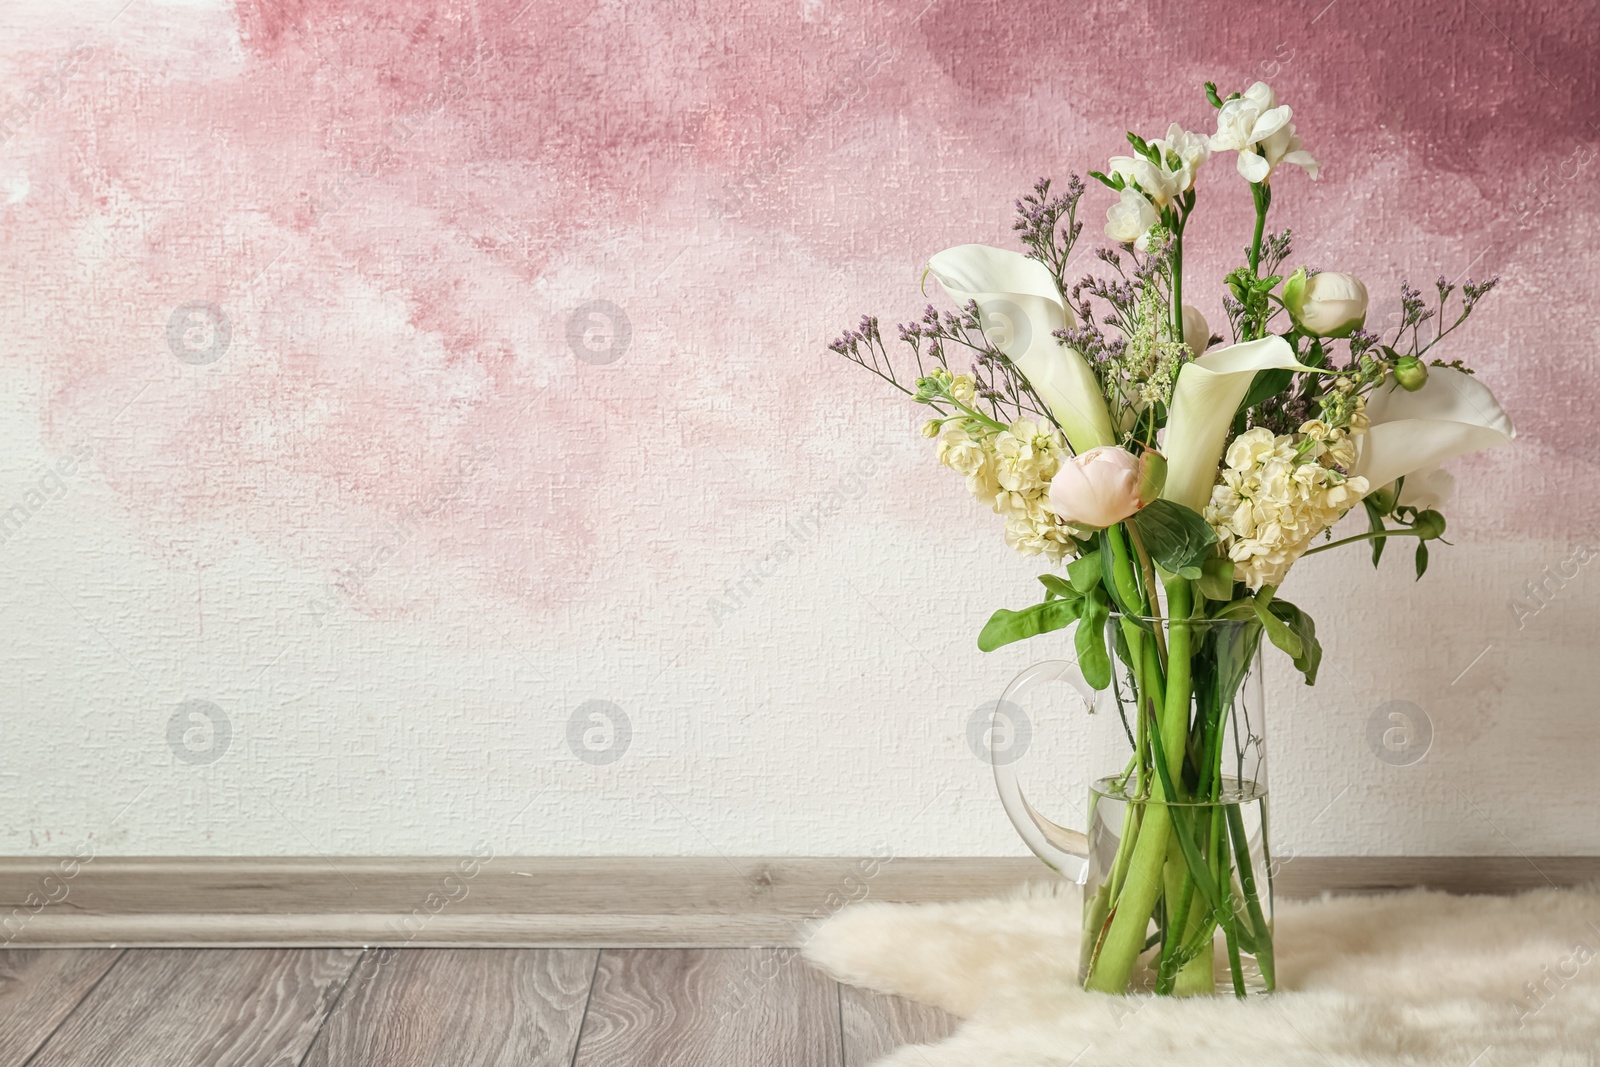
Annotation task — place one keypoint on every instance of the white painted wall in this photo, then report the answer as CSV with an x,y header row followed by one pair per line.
x,y
826,715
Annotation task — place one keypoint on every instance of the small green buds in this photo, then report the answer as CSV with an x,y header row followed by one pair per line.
x,y
1411,373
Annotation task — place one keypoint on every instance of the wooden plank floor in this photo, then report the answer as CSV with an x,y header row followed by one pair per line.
x,y
424,1007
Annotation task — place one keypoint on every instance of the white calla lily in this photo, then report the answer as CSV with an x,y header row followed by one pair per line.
x,y
1020,310
1452,414
1428,488
1196,331
1204,400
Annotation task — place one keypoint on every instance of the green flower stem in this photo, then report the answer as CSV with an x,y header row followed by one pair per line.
x,y
1151,606
1134,876
1095,913
1144,882
1122,570
1198,975
1119,866
1371,535
1177,274
1134,639
1124,940
978,415
1175,730
1230,930
1247,880
1195,976
1262,194
1167,972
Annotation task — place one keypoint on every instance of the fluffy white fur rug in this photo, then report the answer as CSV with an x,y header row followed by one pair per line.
x,y
1416,978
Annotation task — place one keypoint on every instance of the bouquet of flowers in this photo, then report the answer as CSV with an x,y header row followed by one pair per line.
x,y
1178,478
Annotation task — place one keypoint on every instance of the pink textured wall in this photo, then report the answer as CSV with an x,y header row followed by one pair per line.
x,y
407,211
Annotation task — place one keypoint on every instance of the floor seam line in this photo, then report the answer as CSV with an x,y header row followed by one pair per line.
x,y
87,993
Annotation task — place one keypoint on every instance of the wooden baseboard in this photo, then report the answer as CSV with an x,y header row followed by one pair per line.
x,y
508,900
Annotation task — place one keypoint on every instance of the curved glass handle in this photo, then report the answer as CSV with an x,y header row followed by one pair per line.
x,y
1067,851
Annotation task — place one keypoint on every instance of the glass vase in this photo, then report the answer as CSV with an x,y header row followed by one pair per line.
x,y
1175,861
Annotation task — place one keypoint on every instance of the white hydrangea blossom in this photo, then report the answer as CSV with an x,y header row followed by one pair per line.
x,y
1010,470
1276,493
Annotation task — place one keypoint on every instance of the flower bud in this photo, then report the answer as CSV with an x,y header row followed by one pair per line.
x,y
1328,304
1153,476
931,428
1105,485
1411,373
1429,525
1196,332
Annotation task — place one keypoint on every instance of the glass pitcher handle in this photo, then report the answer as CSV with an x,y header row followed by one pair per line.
x,y
1065,850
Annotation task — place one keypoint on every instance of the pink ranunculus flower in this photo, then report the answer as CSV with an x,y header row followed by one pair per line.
x,y
1103,486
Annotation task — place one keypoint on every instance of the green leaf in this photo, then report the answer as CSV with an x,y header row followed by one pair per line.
x,y
1241,609
1093,659
1216,579
1265,385
1234,656
1085,572
1176,537
1310,657
1375,524
1278,631
1057,586
1114,182
1005,626
1422,558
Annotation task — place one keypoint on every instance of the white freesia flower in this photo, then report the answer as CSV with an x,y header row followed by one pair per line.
x,y
1256,126
1129,220
1452,414
1192,150
1204,400
1020,309
1282,147
1182,154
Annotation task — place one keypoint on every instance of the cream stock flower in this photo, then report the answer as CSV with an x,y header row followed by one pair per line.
x,y
1010,471
1277,493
